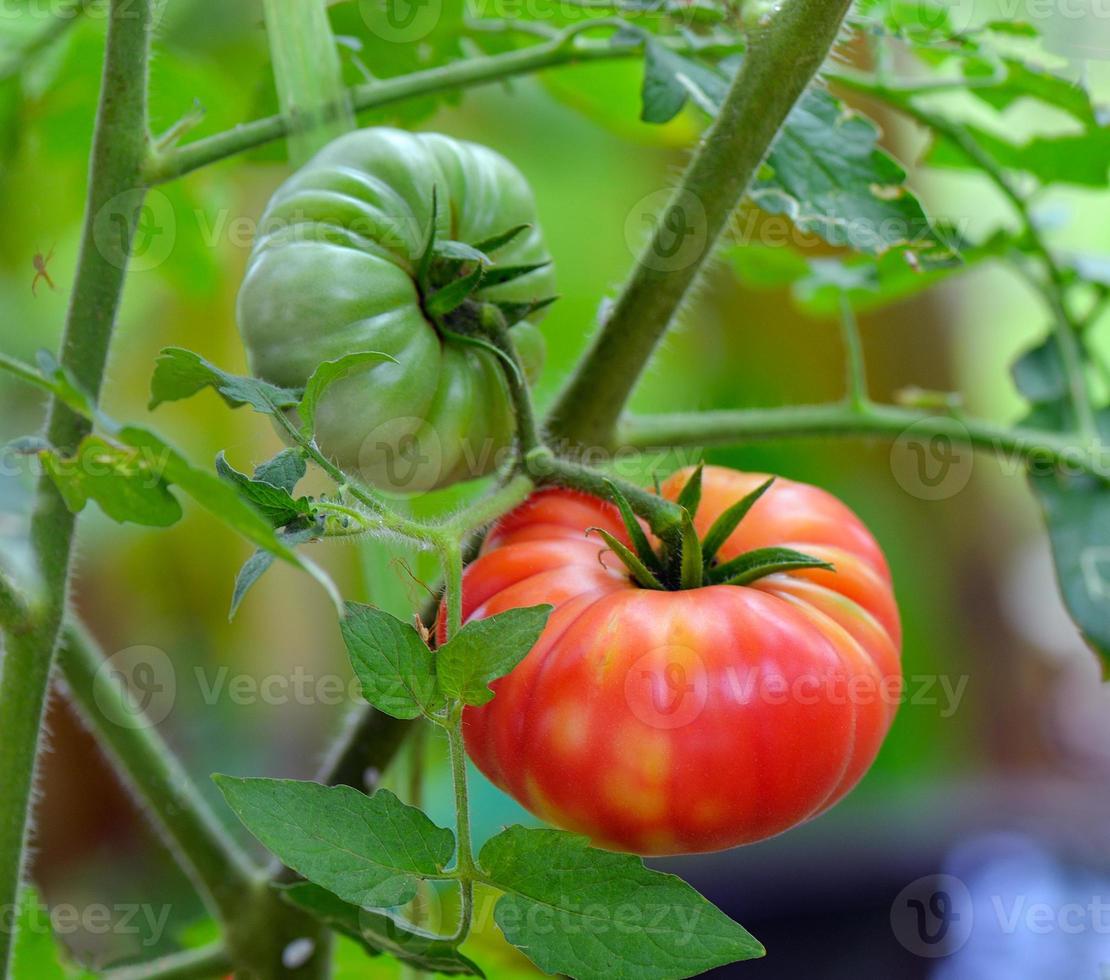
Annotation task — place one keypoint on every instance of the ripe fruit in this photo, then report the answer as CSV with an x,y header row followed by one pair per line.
x,y
662,721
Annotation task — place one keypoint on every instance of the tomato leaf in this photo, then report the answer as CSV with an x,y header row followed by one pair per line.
x,y
259,563
180,373
124,481
285,470
486,649
596,915
394,665
669,78
379,933
368,850
327,374
761,562
276,504
729,521
1076,506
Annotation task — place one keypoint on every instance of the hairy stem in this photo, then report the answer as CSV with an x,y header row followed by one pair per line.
x,y
839,419
112,210
783,56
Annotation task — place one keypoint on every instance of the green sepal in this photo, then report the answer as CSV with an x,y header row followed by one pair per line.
x,y
636,534
498,276
692,568
727,522
639,571
515,312
424,265
453,295
761,562
690,496
500,240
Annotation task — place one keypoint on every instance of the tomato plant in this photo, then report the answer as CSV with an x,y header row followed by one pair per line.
x,y
682,669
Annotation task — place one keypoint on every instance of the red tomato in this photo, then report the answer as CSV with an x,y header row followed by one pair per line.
x,y
665,722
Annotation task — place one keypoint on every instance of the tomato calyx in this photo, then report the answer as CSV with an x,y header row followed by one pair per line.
x,y
450,274
686,561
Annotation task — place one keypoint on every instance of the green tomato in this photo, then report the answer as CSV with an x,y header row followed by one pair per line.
x,y
335,270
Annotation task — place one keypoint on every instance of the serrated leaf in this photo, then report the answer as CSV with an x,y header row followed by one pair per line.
x,y
486,649
258,564
327,374
379,933
180,373
1076,506
394,665
761,562
368,850
598,915
276,504
285,470
669,80
124,481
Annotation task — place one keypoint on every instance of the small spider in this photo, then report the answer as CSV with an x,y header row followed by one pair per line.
x,y
40,262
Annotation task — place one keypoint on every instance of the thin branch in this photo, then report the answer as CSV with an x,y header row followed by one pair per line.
x,y
838,419
783,56
564,49
192,964
118,154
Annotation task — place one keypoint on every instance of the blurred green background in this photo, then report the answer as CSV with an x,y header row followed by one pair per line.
x,y
999,749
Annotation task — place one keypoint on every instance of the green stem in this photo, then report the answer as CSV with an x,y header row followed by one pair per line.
x,y
191,828
783,56
564,49
663,516
467,866
838,419
115,196
193,964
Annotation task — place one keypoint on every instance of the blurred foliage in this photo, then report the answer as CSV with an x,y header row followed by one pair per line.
x,y
576,133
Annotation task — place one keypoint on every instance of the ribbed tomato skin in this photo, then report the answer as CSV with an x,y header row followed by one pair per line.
x,y
678,722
